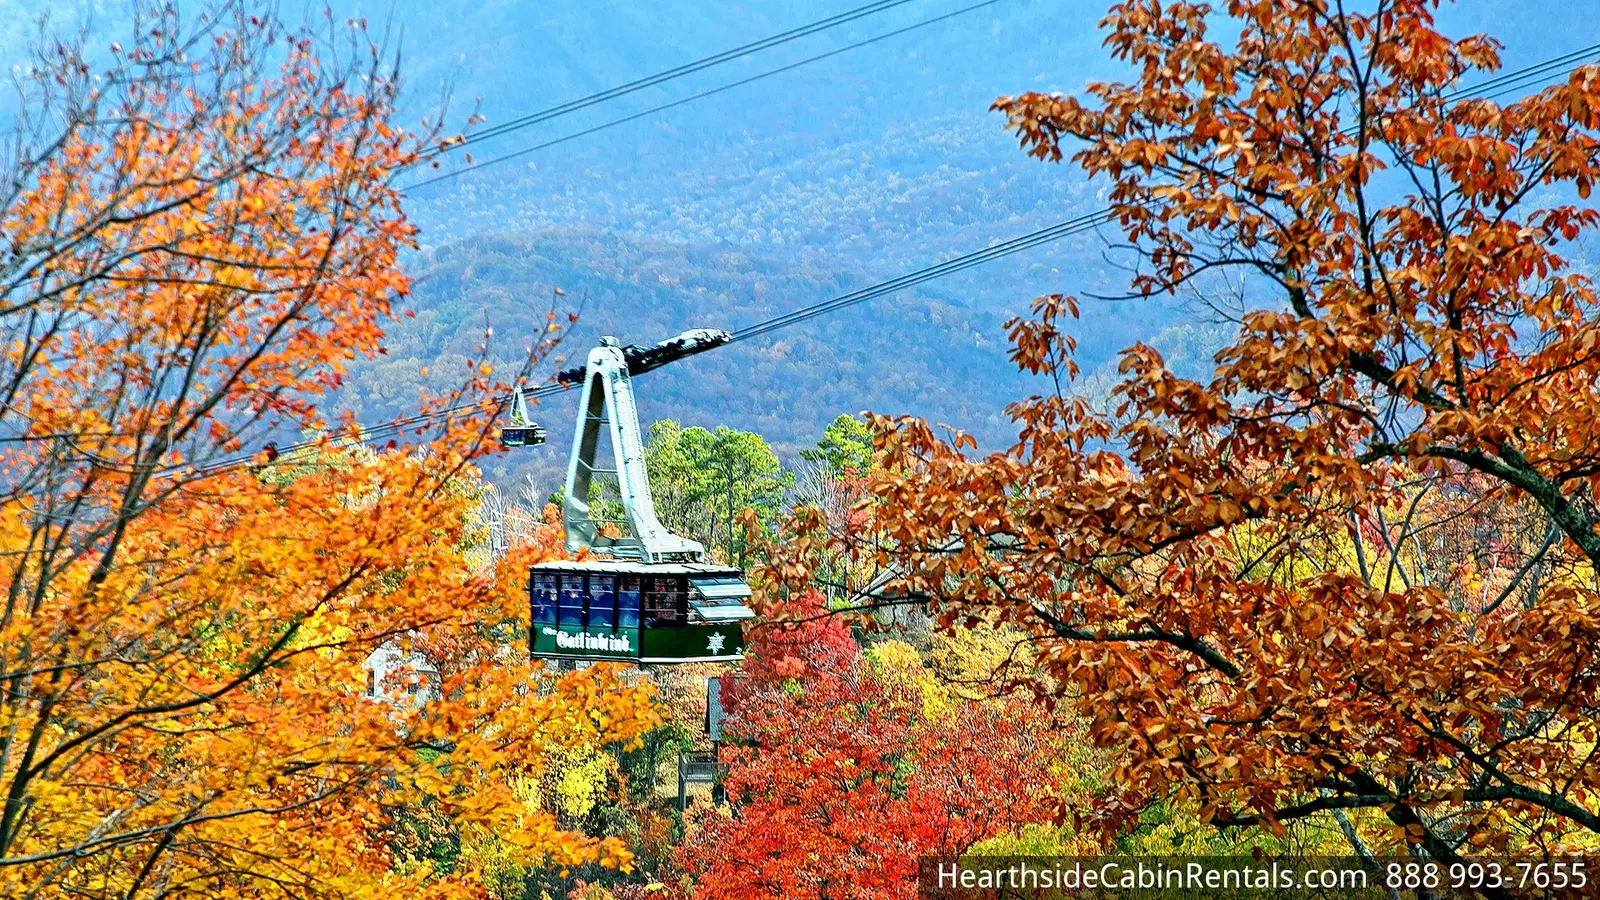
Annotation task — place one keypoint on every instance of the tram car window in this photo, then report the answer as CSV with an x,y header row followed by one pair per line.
x,y
628,603
602,601
543,589
571,600
662,598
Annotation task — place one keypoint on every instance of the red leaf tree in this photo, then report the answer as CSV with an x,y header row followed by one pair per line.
x,y
841,778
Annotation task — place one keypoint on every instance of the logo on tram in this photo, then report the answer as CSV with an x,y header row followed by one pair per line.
x,y
583,640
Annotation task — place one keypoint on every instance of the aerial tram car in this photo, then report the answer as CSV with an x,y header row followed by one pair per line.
x,y
644,594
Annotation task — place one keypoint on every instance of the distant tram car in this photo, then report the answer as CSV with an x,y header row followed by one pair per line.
x,y
653,598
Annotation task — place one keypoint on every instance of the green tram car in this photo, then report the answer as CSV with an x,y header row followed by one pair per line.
x,y
646,596
620,610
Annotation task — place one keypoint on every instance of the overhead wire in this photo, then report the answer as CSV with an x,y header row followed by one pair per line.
x,y
1517,78
1091,220
948,267
1493,88
456,173
666,75
956,264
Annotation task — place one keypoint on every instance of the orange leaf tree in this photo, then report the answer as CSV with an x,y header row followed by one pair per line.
x,y
1230,577
196,242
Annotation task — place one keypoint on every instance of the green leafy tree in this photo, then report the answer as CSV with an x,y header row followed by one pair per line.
x,y
703,480
830,479
845,448
676,482
605,498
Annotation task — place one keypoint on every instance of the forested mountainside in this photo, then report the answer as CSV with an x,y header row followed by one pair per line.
x,y
739,206
932,351
731,209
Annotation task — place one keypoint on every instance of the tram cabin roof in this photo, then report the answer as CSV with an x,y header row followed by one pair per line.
x,y
634,567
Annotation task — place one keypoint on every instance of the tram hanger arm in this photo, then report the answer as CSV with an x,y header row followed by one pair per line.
x,y
644,359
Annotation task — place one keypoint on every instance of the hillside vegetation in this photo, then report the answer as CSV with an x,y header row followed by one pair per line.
x,y
750,203
928,351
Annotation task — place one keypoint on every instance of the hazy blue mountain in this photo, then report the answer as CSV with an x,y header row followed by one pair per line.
x,y
793,189
743,205
927,351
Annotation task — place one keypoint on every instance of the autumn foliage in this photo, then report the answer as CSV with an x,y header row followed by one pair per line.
x,y
196,242
845,767
1354,569
1350,574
